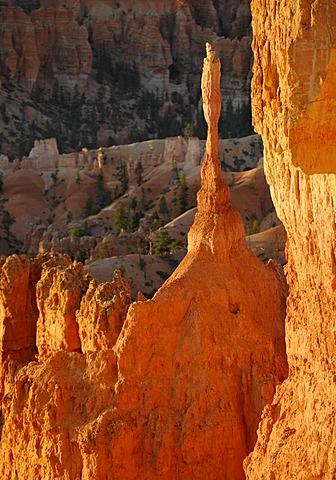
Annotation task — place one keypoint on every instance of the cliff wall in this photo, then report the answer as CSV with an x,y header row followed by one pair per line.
x,y
293,103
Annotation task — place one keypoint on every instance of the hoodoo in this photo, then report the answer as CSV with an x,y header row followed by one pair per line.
x,y
181,393
294,98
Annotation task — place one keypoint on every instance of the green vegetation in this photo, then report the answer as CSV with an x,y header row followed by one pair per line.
x,y
138,172
188,131
26,6
90,207
165,244
122,176
253,228
183,192
235,122
101,199
104,196
7,221
121,218
80,231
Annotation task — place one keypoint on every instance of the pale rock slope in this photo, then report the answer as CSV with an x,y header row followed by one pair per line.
x,y
181,392
294,99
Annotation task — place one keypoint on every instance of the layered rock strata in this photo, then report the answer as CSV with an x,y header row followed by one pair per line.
x,y
181,392
293,94
115,72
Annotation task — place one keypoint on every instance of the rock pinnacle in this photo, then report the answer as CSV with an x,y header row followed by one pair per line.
x,y
214,194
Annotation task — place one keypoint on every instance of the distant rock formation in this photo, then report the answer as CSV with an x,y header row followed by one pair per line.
x,y
293,95
233,154
181,392
98,73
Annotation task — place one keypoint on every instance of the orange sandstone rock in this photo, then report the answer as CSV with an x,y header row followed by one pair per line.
x,y
102,313
18,307
293,93
181,393
59,293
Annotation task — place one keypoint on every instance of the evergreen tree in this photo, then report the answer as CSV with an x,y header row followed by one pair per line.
x,y
123,177
183,192
90,207
163,208
121,218
134,203
165,244
6,222
138,172
188,131
1,183
104,196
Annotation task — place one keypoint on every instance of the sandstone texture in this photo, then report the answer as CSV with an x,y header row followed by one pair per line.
x,y
181,392
19,311
102,313
99,73
59,294
45,309
293,97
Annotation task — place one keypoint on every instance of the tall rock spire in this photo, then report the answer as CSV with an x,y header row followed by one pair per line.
x,y
214,195
181,393
218,228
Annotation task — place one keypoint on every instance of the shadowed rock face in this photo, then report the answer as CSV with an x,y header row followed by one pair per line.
x,y
181,393
293,108
130,56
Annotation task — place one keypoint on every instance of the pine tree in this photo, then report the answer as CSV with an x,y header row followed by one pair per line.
x,y
6,222
183,192
188,131
90,207
138,172
163,208
123,177
121,218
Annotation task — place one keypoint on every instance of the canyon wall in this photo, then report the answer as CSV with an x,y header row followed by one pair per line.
x,y
181,392
293,92
98,73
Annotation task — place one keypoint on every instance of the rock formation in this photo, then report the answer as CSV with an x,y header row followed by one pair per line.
x,y
115,72
59,294
181,393
19,311
293,95
102,313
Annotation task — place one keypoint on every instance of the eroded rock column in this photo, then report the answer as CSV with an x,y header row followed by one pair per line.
x,y
293,96
181,393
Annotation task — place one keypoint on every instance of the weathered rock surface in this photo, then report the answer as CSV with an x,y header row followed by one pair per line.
x,y
293,96
59,293
105,69
48,42
19,311
181,393
102,313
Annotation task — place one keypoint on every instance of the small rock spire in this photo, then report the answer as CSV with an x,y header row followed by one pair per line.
x,y
214,194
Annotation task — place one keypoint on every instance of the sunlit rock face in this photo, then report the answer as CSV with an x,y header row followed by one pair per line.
x,y
293,95
181,392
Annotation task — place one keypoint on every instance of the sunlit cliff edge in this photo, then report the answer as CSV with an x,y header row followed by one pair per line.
x,y
293,95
